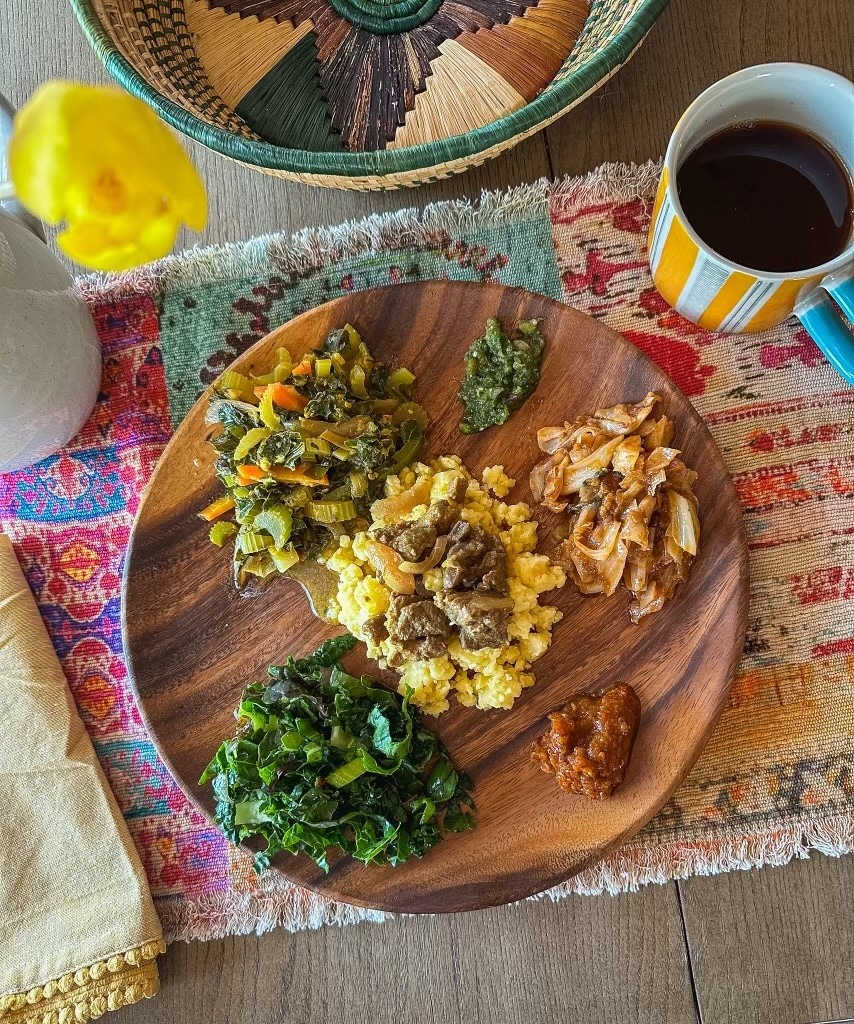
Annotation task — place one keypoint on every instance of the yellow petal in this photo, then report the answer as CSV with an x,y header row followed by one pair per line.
x,y
94,245
95,154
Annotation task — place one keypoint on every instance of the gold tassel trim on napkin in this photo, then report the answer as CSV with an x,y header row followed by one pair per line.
x,y
88,992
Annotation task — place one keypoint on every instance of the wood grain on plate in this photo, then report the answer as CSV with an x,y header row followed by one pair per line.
x,y
192,642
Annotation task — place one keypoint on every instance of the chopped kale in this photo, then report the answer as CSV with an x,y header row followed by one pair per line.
x,y
324,760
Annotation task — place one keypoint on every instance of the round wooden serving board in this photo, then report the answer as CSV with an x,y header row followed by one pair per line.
x,y
192,642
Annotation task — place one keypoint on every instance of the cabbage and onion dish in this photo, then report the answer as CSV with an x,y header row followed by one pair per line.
x,y
633,514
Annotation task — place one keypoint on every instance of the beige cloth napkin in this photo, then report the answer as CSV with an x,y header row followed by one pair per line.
x,y
78,931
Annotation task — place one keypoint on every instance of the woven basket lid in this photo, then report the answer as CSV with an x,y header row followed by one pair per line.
x,y
363,93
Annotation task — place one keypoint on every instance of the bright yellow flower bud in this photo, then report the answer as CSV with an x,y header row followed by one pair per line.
x,y
98,159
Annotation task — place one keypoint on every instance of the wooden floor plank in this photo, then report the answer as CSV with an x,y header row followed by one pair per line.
x,y
613,960
692,45
774,946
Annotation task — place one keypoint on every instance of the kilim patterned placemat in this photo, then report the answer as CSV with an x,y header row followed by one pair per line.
x,y
777,778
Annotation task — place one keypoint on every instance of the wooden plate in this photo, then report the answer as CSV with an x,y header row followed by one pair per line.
x,y
192,642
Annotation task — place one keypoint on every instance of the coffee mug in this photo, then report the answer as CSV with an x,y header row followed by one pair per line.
x,y
717,293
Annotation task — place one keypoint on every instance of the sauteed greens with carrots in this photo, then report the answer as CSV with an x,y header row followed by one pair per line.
x,y
305,449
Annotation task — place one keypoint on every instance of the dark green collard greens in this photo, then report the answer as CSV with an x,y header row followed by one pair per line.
x,y
501,372
326,760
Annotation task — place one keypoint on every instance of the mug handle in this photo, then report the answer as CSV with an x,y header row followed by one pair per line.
x,y
822,321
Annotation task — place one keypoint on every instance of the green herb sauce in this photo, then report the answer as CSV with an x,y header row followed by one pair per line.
x,y
501,372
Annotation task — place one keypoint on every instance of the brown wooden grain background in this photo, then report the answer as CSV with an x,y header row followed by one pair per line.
x,y
764,947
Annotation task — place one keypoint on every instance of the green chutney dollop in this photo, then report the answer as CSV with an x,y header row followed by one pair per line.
x,y
501,372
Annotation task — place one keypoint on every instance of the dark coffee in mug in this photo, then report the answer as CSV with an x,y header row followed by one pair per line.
x,y
767,195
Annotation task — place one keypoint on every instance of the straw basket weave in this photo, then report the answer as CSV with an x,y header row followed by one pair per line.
x,y
363,94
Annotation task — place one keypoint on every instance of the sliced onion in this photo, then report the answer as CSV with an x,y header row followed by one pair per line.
x,y
684,526
487,603
575,475
660,458
390,510
605,542
386,561
432,560
626,455
625,419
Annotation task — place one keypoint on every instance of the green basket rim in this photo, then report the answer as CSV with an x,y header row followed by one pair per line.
x,y
375,163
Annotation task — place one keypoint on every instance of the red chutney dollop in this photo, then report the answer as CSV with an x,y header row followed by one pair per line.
x,y
589,742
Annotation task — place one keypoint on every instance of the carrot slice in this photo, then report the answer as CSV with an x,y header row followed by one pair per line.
x,y
251,474
217,508
302,369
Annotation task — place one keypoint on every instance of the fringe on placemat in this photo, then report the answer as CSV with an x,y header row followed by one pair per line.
x,y
282,905
312,248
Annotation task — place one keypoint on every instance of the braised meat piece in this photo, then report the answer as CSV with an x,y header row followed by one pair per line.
x,y
442,516
421,618
589,742
389,534
413,540
474,559
418,650
482,620
375,630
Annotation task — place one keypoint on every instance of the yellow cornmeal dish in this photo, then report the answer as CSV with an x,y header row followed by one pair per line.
x,y
490,677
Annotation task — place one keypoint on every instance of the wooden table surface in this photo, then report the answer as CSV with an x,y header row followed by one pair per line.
x,y
774,946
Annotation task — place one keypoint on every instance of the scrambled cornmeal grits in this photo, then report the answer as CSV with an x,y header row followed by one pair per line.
x,y
492,677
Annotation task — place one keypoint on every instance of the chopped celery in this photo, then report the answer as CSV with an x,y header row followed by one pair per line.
x,y
283,559
358,483
259,565
231,380
268,413
353,336
220,532
323,367
330,511
317,446
267,378
411,411
357,382
248,441
250,542
401,378
277,521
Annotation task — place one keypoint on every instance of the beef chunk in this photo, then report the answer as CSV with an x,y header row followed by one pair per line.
x,y
418,619
494,566
388,534
418,650
415,541
442,516
375,630
479,625
475,559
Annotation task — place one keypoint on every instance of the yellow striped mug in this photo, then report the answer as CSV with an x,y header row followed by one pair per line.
x,y
717,293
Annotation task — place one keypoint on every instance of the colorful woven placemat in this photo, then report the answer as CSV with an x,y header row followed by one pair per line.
x,y
777,778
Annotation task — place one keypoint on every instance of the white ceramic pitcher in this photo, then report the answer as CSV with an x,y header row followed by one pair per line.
x,y
50,357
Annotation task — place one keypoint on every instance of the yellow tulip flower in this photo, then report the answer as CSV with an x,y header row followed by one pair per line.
x,y
98,159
